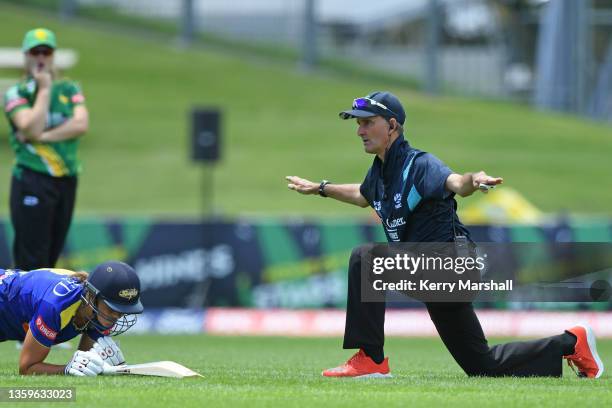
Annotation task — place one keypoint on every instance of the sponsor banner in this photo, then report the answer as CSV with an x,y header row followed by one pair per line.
x,y
400,323
274,322
169,321
262,264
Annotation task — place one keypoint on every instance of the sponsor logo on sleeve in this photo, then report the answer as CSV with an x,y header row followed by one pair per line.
x,y
78,98
44,329
15,103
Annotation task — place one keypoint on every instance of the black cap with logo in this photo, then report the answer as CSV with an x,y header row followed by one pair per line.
x,y
377,103
118,285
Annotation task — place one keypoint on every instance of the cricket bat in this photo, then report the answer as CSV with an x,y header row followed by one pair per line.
x,y
157,369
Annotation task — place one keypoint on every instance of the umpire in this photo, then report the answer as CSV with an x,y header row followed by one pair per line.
x,y
413,194
47,115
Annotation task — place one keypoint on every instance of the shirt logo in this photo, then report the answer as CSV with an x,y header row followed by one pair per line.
x,y
391,227
128,293
78,98
44,329
40,35
30,201
63,288
397,198
394,223
31,86
377,205
63,99
6,274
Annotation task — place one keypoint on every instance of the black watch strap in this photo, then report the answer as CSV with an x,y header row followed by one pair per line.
x,y
322,188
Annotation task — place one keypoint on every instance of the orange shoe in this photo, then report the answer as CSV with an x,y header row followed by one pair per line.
x,y
585,361
360,366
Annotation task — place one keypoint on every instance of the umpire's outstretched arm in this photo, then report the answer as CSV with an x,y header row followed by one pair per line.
x,y
347,193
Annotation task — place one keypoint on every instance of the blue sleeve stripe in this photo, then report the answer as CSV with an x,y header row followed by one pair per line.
x,y
414,198
407,169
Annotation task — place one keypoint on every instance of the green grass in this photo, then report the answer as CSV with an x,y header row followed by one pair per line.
x,y
282,121
248,371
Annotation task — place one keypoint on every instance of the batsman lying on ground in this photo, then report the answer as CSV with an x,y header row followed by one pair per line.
x,y
46,307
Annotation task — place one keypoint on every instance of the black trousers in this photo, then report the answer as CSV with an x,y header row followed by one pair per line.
x,y
459,329
41,212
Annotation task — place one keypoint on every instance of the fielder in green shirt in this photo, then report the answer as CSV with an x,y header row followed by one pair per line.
x,y
47,116
47,152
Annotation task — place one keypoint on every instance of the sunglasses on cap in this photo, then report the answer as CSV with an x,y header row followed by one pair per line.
x,y
46,51
364,103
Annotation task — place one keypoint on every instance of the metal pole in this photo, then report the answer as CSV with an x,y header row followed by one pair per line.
x,y
309,36
67,8
432,48
601,98
188,22
584,50
208,178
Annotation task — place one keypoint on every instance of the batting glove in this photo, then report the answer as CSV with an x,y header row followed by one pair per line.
x,y
108,351
84,363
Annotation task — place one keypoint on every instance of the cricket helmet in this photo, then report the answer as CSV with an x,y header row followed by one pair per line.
x,y
118,286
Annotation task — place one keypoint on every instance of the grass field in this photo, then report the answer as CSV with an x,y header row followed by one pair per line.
x,y
250,371
281,121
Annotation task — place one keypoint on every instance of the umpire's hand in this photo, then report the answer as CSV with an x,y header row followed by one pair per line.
x,y
301,185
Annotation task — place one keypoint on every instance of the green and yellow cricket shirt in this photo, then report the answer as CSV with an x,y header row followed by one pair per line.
x,y
57,159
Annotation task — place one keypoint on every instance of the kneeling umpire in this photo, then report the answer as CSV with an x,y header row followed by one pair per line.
x,y
425,211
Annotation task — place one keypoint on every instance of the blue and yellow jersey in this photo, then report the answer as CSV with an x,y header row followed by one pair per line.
x,y
43,301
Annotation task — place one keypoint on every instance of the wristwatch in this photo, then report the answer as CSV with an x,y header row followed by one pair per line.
x,y
322,188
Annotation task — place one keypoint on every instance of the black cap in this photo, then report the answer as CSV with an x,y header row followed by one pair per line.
x,y
118,285
387,99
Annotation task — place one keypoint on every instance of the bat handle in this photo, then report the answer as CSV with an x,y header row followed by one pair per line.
x,y
114,370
